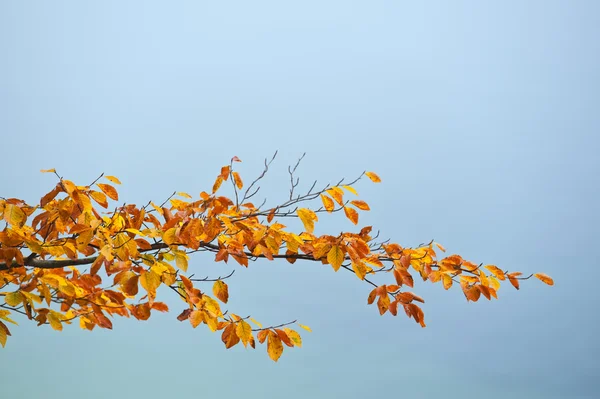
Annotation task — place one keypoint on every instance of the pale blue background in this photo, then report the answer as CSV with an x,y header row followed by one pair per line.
x,y
481,117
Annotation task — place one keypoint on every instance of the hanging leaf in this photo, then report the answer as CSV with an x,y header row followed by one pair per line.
x,y
351,214
221,291
109,190
544,278
327,203
373,176
335,257
308,218
274,346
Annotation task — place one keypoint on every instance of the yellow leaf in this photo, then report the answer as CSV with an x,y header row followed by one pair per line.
x,y
335,257
221,291
256,322
181,260
243,331
362,205
184,195
212,306
447,281
307,328
308,218
4,316
48,170
360,269
327,203
113,179
351,189
54,319
4,333
100,198
351,214
373,176
544,278
109,190
274,346
440,247
14,215
294,336
13,298
150,282
169,236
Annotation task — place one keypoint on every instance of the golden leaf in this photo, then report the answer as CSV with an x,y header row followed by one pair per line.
x,y
221,291
362,205
14,215
351,189
335,257
293,336
150,282
274,346
307,328
237,180
244,331
308,218
256,322
48,170
13,298
351,214
109,190
54,318
327,203
544,278
337,194
196,317
496,271
4,333
113,179
373,176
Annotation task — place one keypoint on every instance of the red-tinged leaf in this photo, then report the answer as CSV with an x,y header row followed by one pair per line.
x,y
373,176
109,190
294,337
217,184
472,293
271,215
284,337
327,203
50,196
362,205
372,296
235,159
485,291
393,308
229,336
544,278
351,214
262,335
225,172
274,346
113,179
222,255
160,306
184,315
141,311
221,290
514,282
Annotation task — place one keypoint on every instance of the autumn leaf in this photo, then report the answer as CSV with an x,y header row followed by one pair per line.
x,y
221,291
362,205
195,317
14,215
113,179
237,180
294,336
544,278
48,170
229,336
274,346
351,214
335,257
308,218
327,203
109,190
307,328
244,332
373,176
496,271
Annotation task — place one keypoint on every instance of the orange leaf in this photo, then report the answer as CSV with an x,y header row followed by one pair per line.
x,y
373,176
109,190
362,205
221,291
544,278
195,316
351,214
238,180
100,198
229,336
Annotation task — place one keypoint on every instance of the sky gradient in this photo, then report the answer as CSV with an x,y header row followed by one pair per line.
x,y
481,118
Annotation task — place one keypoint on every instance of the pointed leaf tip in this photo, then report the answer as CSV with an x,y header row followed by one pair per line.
x,y
544,278
373,176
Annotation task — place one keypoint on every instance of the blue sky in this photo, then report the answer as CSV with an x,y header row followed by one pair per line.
x,y
481,118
